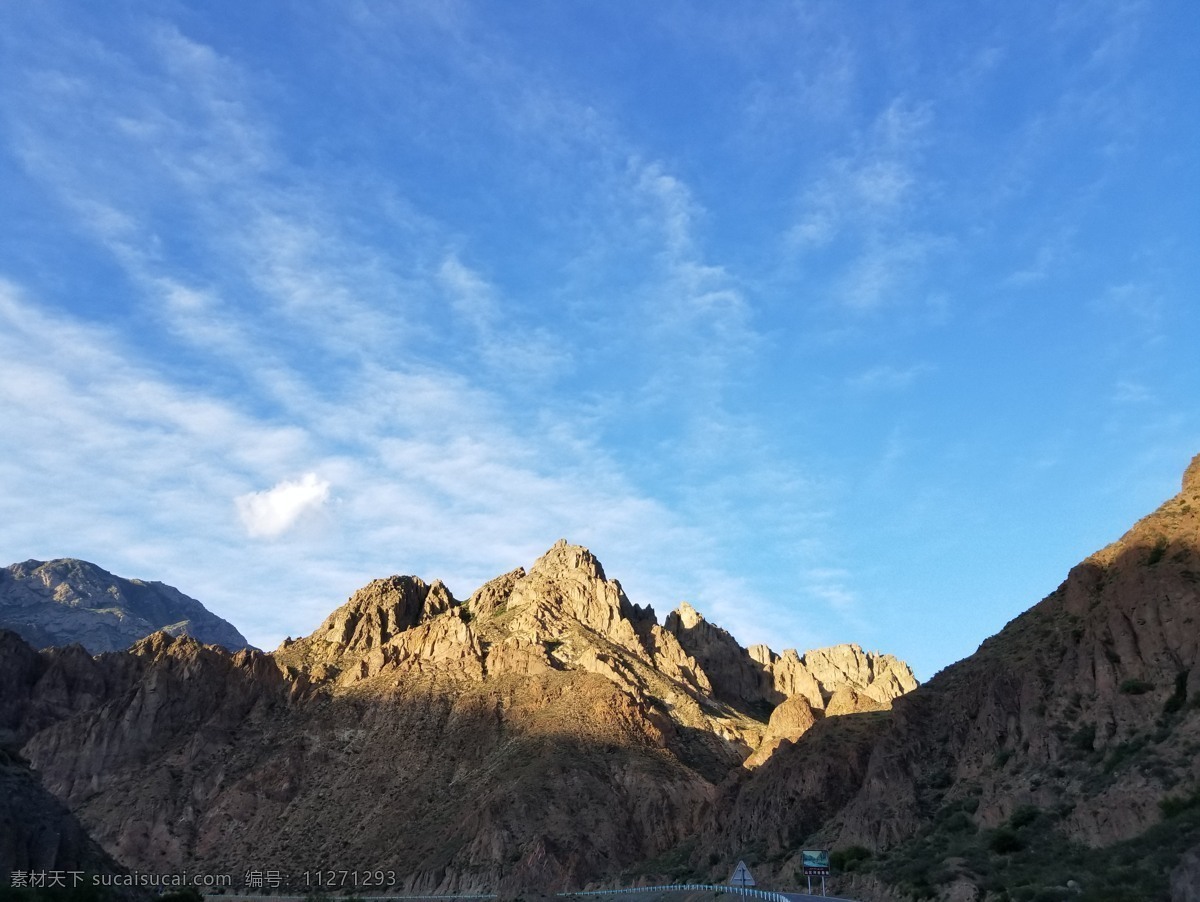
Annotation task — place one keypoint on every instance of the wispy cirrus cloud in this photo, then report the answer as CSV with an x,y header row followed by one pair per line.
x,y
464,504
399,375
463,267
884,377
291,316
868,187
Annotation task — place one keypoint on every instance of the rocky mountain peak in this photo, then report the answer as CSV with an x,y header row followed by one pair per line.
x,y
688,617
482,727
756,677
563,557
1191,477
567,583
383,608
736,678
385,621
879,676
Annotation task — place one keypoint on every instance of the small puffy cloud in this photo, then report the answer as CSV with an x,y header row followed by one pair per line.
x,y
274,511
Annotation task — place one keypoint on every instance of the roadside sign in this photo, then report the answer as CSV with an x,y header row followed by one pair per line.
x,y
741,876
815,862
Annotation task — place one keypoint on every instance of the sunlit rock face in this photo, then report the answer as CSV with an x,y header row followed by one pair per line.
x,y
68,601
758,677
544,732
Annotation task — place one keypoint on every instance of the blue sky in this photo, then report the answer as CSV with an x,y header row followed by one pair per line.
x,y
844,322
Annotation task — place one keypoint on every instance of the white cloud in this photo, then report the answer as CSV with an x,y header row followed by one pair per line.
x,y
287,338
830,585
273,512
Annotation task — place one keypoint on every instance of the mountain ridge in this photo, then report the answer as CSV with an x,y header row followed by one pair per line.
x,y
68,600
546,733
565,735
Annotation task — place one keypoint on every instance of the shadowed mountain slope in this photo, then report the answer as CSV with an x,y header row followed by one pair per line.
x,y
1066,748
37,831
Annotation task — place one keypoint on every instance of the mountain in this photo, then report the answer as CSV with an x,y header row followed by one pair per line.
x,y
544,733
65,601
1067,748
547,733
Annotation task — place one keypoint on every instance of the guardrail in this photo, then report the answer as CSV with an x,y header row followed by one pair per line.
x,y
270,897
768,895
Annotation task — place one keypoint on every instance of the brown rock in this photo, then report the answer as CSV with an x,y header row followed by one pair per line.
x,y
38,832
735,677
791,676
1191,477
789,721
846,700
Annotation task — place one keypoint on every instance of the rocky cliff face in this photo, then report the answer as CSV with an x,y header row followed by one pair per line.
x,y
1065,748
69,601
545,732
757,680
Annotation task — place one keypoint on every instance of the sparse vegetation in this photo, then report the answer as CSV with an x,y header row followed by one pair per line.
x,y
675,866
1178,698
1004,841
83,893
1133,686
1123,753
1024,816
848,860
184,894
1028,858
1084,738
1173,806
1157,552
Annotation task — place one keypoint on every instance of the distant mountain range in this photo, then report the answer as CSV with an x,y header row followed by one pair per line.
x,y
67,600
548,734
